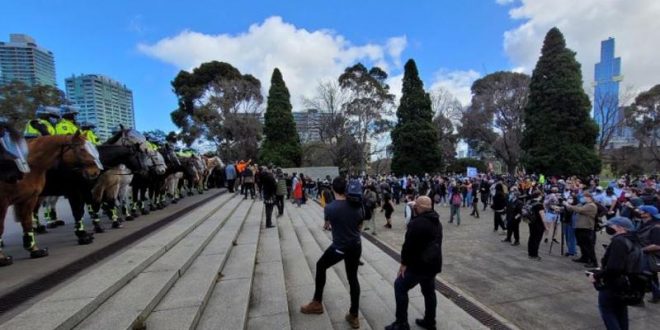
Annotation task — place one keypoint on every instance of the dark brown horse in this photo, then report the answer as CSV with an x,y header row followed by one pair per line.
x,y
44,153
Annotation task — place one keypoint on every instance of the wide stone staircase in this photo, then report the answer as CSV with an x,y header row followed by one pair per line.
x,y
218,267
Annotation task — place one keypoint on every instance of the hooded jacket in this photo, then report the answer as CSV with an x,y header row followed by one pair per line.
x,y
422,230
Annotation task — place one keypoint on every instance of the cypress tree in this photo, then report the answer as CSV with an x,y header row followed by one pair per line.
x,y
281,144
414,138
559,136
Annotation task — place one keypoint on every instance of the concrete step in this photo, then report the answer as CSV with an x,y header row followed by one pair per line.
x,y
298,279
130,306
268,301
182,305
68,306
448,314
227,308
336,298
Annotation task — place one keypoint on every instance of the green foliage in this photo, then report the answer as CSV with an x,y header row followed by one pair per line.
x,y
460,165
281,144
644,117
18,101
415,137
559,135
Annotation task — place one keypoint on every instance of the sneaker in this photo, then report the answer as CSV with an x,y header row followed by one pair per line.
x,y
398,326
425,325
515,243
353,320
314,307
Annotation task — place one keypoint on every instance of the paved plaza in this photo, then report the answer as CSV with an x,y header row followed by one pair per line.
x,y
550,294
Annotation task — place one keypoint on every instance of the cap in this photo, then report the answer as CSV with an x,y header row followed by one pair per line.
x,y
423,202
652,210
621,222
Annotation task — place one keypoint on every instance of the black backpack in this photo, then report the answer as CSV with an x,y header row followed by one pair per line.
x,y
633,284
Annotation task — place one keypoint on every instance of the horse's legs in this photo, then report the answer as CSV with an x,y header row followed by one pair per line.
x,y
78,209
24,215
134,204
5,260
51,212
38,227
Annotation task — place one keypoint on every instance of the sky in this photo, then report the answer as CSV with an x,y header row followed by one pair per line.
x,y
144,43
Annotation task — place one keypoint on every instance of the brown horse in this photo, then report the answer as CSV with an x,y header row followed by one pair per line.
x,y
45,152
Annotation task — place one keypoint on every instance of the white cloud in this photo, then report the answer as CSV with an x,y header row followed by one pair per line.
x,y
457,83
584,23
304,57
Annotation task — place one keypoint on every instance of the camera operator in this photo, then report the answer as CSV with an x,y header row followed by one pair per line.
x,y
585,223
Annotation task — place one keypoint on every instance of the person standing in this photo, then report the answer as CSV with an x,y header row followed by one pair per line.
x,y
649,236
345,220
370,198
421,260
280,192
536,226
230,175
585,222
248,182
297,187
513,216
455,201
269,189
499,207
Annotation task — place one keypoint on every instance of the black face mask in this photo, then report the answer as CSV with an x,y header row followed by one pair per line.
x,y
610,231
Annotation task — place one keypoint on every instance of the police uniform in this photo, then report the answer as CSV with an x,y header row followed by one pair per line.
x,y
66,127
31,131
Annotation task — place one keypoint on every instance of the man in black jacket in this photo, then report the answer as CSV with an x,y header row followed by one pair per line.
x,y
423,230
269,188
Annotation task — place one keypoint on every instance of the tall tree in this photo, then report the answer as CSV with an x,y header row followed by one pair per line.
x,y
644,118
368,104
281,144
219,104
18,101
559,137
493,123
414,139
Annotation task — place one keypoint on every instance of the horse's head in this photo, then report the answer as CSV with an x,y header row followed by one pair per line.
x,y
158,162
78,153
170,155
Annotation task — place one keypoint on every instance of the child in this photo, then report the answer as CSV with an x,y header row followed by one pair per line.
x,y
475,207
388,207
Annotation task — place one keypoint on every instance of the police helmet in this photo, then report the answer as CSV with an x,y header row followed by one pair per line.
x,y
48,112
68,110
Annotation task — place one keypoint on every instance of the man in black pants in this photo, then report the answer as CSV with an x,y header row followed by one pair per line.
x,y
423,230
513,217
585,224
345,220
269,187
536,226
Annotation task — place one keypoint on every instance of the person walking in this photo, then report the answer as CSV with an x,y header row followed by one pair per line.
x,y
388,207
421,260
230,175
370,198
499,207
513,216
280,192
536,226
269,190
248,182
345,220
455,201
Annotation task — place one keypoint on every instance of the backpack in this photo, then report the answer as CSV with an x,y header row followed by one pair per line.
x,y
356,199
527,213
432,254
456,199
653,259
633,284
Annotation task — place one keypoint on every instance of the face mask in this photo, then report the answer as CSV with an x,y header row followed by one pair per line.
x,y
610,231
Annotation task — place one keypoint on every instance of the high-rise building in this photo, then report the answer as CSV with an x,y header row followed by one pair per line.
x,y
308,125
607,75
102,101
23,60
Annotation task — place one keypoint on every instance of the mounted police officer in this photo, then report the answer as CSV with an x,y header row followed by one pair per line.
x,y
67,124
44,124
87,130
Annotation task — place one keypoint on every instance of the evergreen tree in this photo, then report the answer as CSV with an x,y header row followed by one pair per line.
x,y
559,136
281,144
414,139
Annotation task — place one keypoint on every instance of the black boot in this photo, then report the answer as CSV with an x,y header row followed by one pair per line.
x,y
425,325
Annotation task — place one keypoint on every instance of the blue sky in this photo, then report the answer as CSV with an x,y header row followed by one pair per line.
x,y
145,43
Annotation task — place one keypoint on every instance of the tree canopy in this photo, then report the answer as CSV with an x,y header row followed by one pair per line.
x,y
19,101
559,135
281,144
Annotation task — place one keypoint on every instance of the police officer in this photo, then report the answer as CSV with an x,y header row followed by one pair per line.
x,y
67,125
87,130
47,117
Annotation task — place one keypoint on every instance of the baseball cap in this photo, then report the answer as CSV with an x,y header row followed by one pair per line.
x,y
652,210
621,222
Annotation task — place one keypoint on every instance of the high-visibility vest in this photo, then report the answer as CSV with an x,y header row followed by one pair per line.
x,y
152,146
33,132
90,136
65,127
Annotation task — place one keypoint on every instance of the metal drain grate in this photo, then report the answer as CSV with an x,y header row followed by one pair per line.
x,y
50,280
469,307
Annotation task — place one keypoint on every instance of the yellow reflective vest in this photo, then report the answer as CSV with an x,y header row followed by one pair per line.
x,y
65,127
90,136
152,146
33,132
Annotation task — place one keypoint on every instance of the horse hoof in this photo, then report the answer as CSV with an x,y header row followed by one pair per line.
x,y
51,225
129,218
59,222
99,229
6,261
40,229
84,240
116,225
174,201
40,253
144,212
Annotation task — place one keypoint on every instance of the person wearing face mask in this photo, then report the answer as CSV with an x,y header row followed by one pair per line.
x,y
513,216
649,236
613,310
585,222
536,226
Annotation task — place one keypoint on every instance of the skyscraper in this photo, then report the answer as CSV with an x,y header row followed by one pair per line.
x,y
102,101
23,60
607,75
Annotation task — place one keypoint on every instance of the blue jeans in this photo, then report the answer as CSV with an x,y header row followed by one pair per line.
x,y
401,287
569,235
613,312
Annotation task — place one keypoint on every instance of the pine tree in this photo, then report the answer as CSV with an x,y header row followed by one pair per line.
x,y
281,144
414,139
559,136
